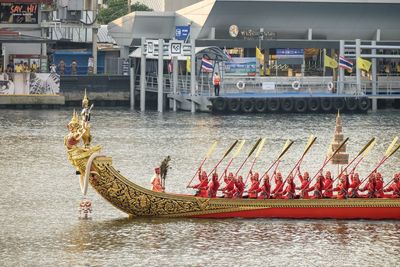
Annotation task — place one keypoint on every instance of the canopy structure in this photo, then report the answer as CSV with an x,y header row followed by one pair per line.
x,y
210,52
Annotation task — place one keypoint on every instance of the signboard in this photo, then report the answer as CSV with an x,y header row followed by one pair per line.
x,y
12,13
172,48
268,86
176,48
151,48
241,66
290,53
182,32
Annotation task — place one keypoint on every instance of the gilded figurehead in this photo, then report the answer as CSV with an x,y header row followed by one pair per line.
x,y
85,118
75,132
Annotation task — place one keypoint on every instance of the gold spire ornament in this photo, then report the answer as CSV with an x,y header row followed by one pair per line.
x,y
341,157
85,101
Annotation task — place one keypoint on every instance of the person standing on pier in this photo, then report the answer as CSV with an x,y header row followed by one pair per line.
x,y
216,83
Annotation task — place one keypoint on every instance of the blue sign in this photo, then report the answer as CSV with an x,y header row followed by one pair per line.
x,y
290,53
182,32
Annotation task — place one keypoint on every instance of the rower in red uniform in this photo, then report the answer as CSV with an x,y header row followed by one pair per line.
x,y
239,187
265,189
341,188
370,186
317,187
156,181
213,186
255,185
379,186
203,185
290,190
277,192
355,184
229,189
328,185
304,184
394,187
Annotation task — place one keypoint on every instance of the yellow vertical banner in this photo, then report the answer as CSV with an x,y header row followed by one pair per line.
x,y
330,62
188,64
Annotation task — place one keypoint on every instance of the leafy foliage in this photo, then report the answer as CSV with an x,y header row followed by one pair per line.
x,y
118,8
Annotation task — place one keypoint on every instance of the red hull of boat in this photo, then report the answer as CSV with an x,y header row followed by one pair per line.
x,y
313,213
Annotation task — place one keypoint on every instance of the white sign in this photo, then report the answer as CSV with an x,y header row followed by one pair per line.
x,y
268,86
175,48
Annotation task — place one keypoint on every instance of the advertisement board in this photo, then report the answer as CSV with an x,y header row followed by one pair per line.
x,y
244,66
14,13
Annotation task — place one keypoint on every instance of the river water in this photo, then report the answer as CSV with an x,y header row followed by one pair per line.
x,y
39,202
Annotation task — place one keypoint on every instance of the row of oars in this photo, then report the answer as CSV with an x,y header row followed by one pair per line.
x,y
258,146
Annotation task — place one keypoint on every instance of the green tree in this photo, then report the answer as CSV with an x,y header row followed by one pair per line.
x,y
118,8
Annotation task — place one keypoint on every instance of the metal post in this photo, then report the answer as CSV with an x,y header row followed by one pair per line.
x,y
94,39
341,70
143,76
358,71
160,96
193,74
374,79
132,85
175,79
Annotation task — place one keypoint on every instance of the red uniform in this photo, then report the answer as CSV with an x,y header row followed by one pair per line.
x,y
304,185
370,186
229,189
328,185
239,187
290,190
317,187
265,189
379,186
342,189
353,188
277,192
395,188
213,186
203,188
254,188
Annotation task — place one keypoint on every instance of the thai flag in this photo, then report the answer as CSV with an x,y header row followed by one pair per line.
x,y
206,65
345,64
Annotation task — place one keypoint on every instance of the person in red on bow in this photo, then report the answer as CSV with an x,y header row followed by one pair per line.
x,y
328,185
341,188
213,186
305,184
379,186
290,190
277,192
156,181
394,187
370,186
318,187
203,185
265,189
355,184
255,185
229,189
239,187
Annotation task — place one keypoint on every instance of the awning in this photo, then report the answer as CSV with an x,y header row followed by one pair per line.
x,y
211,52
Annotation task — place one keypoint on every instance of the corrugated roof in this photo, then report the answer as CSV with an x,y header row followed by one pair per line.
x,y
103,36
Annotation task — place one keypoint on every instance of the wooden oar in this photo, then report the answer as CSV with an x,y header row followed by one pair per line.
x,y
310,139
248,156
309,144
210,151
233,157
285,148
333,154
364,154
260,147
223,157
381,162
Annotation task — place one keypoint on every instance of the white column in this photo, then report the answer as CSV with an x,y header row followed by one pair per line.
x,y
94,49
132,86
374,72
160,96
193,74
175,79
341,70
143,76
358,71
309,34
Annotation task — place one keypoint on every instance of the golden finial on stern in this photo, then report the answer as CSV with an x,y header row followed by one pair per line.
x,y
85,101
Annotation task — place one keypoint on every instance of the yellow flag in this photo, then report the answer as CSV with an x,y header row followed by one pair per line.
x,y
259,55
363,64
330,62
188,64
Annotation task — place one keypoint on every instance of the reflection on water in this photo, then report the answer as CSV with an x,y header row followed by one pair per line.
x,y
39,203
